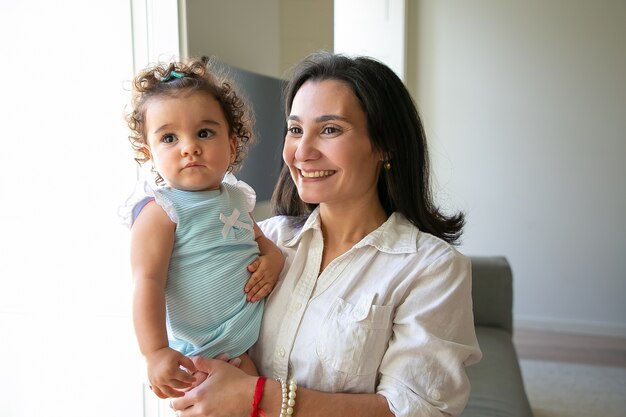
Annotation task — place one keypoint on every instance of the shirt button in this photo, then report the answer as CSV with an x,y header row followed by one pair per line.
x,y
297,306
435,394
281,352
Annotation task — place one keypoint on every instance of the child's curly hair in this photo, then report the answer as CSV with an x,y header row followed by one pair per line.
x,y
196,75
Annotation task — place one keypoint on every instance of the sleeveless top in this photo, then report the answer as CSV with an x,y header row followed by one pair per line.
x,y
207,311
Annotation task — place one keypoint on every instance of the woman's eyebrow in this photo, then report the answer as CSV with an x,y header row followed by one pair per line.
x,y
328,117
320,119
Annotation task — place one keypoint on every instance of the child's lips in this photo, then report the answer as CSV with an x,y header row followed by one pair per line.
x,y
193,164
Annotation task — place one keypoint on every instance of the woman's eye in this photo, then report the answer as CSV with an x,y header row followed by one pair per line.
x,y
205,133
329,130
168,138
294,130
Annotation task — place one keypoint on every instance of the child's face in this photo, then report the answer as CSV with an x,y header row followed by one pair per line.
x,y
188,141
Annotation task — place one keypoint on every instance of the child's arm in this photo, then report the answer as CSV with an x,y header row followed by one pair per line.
x,y
266,269
152,240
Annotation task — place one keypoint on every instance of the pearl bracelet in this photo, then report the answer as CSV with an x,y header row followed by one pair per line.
x,y
289,397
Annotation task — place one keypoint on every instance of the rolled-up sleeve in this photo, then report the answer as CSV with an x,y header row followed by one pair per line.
x,y
433,339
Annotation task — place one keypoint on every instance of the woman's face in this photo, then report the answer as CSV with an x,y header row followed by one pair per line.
x,y
328,149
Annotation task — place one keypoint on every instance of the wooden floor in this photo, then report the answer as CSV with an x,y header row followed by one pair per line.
x,y
565,347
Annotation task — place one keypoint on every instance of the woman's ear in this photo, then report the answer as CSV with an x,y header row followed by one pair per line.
x,y
385,160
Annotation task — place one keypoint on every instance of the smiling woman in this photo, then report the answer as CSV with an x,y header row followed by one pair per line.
x,y
64,282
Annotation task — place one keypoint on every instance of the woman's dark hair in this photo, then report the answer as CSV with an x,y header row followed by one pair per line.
x,y
395,130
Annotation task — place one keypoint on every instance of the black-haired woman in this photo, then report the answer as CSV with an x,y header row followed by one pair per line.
x,y
372,315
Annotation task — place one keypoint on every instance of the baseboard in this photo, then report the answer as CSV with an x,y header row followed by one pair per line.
x,y
588,328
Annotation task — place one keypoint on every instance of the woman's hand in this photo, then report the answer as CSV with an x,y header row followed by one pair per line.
x,y
226,392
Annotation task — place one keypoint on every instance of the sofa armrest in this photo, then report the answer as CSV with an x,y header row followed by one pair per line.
x,y
497,384
492,292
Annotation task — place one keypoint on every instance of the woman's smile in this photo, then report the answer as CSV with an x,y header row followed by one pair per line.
x,y
316,174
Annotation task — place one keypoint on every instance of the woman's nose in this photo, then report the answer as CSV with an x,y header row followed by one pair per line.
x,y
307,148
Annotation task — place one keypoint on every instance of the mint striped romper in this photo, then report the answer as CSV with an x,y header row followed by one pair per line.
x,y
207,311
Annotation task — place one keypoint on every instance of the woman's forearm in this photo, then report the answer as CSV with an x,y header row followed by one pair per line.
x,y
227,391
311,403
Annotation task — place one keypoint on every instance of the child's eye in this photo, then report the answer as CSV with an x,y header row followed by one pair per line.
x,y
168,139
205,133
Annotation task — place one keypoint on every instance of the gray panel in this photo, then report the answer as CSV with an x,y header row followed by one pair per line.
x,y
262,166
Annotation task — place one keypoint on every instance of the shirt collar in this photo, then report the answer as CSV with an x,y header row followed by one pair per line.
x,y
396,235
312,223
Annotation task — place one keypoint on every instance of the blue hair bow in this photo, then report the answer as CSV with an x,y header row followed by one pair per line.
x,y
172,75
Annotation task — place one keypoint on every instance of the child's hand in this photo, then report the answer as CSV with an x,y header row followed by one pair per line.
x,y
167,379
265,271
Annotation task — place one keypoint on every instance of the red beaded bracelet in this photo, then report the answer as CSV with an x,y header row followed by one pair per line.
x,y
258,394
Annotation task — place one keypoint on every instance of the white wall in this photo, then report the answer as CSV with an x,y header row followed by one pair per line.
x,y
374,28
266,37
525,106
240,33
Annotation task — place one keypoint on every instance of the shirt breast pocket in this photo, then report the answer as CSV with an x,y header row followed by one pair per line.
x,y
354,337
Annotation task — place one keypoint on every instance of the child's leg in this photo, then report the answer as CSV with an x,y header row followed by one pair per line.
x,y
247,365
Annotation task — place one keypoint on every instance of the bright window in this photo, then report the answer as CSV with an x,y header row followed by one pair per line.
x,y
65,166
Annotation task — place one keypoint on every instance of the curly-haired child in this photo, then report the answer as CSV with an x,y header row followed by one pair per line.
x,y
194,242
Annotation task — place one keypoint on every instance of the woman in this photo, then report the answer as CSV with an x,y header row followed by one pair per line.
x,y
372,315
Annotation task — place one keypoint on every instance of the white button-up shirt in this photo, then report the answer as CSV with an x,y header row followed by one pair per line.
x,y
393,315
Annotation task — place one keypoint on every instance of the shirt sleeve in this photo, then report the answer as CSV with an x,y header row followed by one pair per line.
x,y
422,372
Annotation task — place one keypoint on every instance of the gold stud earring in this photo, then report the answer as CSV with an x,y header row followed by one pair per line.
x,y
387,165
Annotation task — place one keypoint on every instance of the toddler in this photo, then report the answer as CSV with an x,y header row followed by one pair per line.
x,y
193,241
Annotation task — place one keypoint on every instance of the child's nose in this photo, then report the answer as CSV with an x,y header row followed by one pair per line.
x,y
190,147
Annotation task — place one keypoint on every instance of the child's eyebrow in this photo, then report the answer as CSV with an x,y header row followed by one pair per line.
x,y
211,122
162,128
167,126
